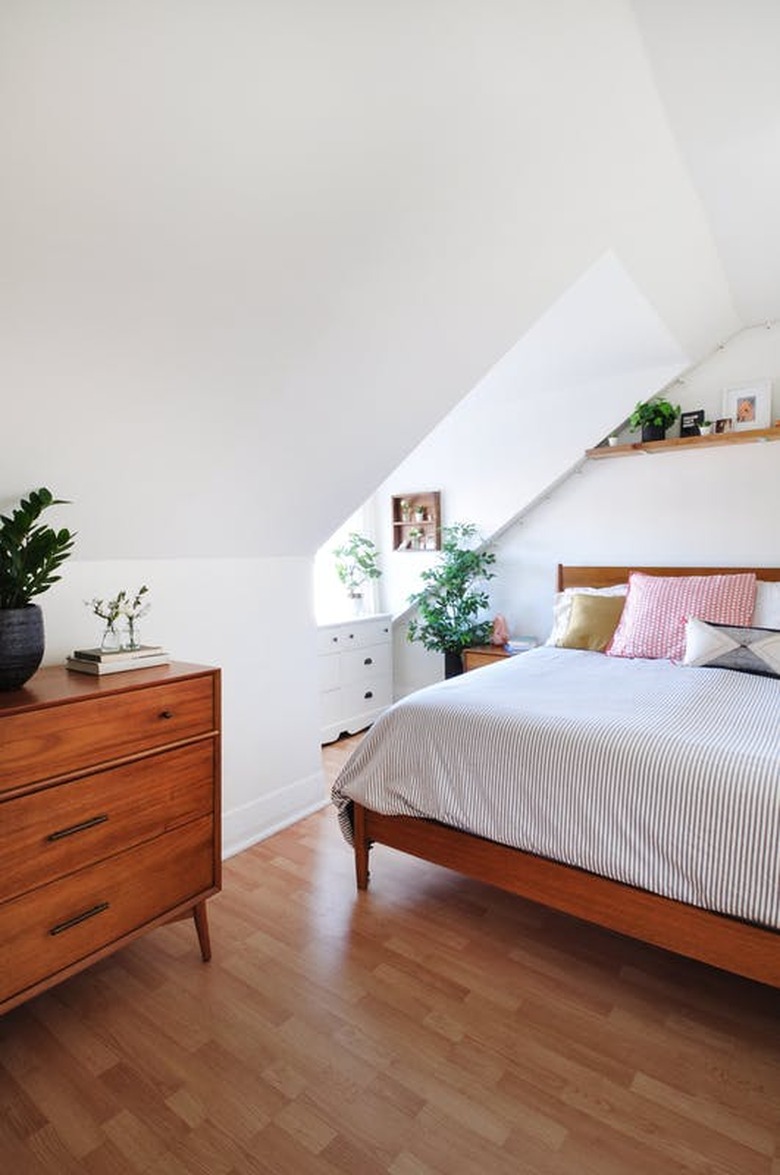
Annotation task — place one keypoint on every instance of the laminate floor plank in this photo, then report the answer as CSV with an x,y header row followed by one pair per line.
x,y
430,1026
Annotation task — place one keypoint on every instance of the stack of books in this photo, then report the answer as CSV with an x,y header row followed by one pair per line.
x,y
100,661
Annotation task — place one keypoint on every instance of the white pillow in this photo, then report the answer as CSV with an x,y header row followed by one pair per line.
x,y
766,613
562,607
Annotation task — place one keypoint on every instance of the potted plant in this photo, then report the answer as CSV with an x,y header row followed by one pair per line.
x,y
356,562
30,553
705,428
654,417
453,598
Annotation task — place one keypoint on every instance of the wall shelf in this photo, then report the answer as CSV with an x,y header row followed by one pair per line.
x,y
417,521
674,444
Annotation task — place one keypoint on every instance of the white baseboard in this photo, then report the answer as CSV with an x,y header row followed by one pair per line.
x,y
245,826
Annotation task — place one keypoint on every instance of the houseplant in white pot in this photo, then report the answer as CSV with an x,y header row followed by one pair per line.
x,y
451,604
30,553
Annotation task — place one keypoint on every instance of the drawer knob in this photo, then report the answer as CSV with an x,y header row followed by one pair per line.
x,y
368,694
77,918
368,660
166,713
61,833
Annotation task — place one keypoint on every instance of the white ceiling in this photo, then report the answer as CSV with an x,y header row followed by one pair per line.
x,y
715,65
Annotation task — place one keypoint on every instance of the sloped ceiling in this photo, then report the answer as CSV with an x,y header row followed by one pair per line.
x,y
715,65
252,253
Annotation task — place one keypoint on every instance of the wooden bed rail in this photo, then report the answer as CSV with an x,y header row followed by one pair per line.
x,y
738,947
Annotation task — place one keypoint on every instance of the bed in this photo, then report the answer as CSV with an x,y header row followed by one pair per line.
x,y
684,761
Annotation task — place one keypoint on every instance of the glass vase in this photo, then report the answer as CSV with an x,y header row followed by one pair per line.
x,y
130,637
111,641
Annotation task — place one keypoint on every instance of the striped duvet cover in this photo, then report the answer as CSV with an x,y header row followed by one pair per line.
x,y
646,772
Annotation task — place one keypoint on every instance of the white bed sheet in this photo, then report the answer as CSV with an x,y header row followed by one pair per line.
x,y
647,772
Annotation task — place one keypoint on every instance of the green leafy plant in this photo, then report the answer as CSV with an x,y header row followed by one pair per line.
x,y
658,412
30,551
356,561
454,595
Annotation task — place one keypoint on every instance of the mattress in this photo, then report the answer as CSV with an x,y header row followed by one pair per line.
x,y
644,771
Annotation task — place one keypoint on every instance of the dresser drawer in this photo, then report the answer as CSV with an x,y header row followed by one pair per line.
x,y
57,740
63,923
58,830
365,664
370,632
369,695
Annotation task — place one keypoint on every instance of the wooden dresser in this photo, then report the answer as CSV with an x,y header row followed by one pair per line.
x,y
109,816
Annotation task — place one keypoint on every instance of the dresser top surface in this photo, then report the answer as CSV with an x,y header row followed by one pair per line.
x,y
56,684
351,621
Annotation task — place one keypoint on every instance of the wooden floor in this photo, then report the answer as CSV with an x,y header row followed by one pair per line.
x,y
429,1025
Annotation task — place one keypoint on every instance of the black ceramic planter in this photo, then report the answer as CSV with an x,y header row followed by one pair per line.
x,y
21,644
453,664
653,432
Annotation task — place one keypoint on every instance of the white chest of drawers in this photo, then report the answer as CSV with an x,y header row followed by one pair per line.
x,y
355,673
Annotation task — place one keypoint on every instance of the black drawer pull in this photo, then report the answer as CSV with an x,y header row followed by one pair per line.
x,y
368,694
61,833
166,713
98,909
368,660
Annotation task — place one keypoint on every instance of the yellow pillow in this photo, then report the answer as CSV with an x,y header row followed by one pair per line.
x,y
592,622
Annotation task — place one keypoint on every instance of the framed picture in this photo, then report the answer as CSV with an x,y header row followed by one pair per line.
x,y
749,406
690,421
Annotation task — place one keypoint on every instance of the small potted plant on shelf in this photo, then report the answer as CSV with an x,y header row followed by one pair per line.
x,y
30,553
705,428
451,602
654,417
357,561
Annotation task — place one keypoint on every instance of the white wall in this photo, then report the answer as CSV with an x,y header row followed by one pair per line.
x,y
252,618
708,507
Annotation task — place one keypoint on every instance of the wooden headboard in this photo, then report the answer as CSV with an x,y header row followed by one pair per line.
x,y
573,577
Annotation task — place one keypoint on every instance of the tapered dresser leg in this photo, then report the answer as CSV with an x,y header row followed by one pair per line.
x,y
202,927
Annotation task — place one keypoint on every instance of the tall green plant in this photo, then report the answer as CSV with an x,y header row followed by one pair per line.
x,y
454,595
30,551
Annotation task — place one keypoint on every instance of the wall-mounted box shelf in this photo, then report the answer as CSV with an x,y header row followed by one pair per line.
x,y
746,437
417,521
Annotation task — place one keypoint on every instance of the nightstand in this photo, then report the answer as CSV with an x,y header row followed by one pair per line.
x,y
479,655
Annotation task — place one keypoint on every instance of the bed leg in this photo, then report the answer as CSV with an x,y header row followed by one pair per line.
x,y
362,845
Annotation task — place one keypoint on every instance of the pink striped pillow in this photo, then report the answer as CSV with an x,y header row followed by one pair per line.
x,y
657,607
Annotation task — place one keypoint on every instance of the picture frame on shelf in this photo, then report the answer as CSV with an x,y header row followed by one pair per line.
x,y
723,424
690,421
750,405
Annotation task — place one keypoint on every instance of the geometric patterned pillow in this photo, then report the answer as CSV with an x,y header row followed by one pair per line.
x,y
657,607
729,646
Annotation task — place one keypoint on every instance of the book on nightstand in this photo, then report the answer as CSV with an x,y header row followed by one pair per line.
x,y
116,663
521,644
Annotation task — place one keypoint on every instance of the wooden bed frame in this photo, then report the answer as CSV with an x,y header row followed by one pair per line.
x,y
739,947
